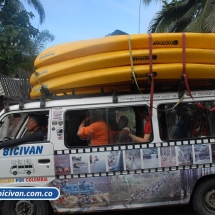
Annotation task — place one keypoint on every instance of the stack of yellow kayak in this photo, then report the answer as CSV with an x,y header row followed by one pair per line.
x,y
106,61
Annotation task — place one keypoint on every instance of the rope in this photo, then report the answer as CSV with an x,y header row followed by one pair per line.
x,y
135,80
131,60
184,74
151,76
36,74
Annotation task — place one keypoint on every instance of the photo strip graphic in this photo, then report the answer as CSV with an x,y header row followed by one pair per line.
x,y
151,158
62,164
213,152
80,163
89,163
168,156
132,159
185,155
98,162
115,161
202,154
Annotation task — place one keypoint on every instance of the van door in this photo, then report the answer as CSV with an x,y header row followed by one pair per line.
x,y
32,162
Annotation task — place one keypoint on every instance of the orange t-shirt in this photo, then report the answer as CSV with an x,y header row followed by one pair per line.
x,y
97,131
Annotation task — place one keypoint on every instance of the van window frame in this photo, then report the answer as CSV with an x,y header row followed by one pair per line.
x,y
188,104
22,130
118,106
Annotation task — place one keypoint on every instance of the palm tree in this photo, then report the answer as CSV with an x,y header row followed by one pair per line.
x,y
20,42
205,19
184,15
39,42
36,45
35,3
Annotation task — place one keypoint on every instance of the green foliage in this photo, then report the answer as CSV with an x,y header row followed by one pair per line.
x,y
205,18
147,2
20,42
39,8
19,6
15,35
184,15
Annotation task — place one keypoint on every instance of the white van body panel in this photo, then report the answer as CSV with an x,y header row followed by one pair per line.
x,y
40,156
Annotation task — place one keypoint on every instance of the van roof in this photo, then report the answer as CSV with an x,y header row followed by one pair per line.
x,y
109,99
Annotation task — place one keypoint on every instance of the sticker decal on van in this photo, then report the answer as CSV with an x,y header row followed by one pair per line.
x,y
6,180
22,166
36,179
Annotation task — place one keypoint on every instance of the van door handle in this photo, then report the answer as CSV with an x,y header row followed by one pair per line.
x,y
44,161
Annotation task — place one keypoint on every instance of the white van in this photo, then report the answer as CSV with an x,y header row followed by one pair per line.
x,y
175,166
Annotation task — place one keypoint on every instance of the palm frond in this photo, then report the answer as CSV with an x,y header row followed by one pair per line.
x,y
171,14
209,25
183,20
205,19
42,38
155,22
189,14
205,11
38,43
193,26
209,21
147,2
39,8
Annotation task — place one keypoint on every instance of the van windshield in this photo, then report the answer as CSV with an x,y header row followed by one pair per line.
x,y
11,125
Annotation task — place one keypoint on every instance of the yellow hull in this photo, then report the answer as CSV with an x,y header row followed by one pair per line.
x,y
123,74
121,58
78,49
128,86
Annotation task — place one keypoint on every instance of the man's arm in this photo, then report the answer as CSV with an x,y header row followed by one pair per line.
x,y
136,139
83,124
37,136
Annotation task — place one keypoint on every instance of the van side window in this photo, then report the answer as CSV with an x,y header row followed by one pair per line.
x,y
102,126
185,121
14,125
211,117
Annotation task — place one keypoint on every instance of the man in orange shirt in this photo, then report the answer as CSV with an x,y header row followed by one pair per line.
x,y
97,131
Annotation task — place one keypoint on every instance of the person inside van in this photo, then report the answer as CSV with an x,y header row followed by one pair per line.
x,y
97,131
123,122
37,133
143,113
123,135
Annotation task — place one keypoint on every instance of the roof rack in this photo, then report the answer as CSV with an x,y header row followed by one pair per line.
x,y
15,90
130,88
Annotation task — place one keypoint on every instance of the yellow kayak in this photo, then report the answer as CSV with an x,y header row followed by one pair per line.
x,y
121,58
68,51
122,74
